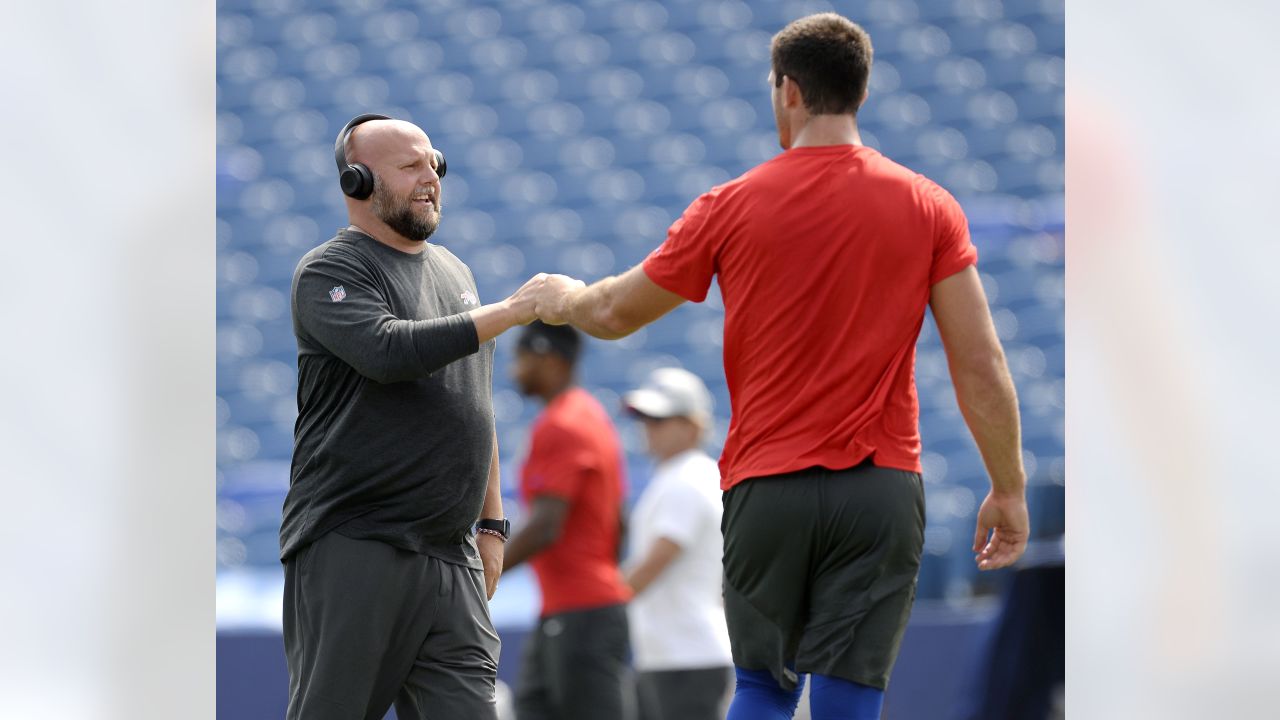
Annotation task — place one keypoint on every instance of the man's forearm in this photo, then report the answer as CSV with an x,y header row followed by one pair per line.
x,y
546,519
659,556
390,350
525,544
590,309
989,404
494,319
492,507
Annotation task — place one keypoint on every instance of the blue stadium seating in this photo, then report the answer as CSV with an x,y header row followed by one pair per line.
x,y
576,133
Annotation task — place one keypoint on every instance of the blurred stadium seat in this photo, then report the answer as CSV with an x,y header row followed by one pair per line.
x,y
576,133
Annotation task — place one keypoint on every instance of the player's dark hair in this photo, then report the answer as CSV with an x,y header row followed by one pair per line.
x,y
829,56
542,339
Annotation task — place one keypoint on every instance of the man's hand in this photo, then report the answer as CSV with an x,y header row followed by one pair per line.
x,y
491,547
1006,515
553,298
522,301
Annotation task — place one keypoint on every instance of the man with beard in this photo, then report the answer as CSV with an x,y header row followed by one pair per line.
x,y
387,571
575,662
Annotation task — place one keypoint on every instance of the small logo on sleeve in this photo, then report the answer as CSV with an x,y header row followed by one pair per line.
x,y
337,294
470,298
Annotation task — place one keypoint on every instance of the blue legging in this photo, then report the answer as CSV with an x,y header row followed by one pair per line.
x,y
759,697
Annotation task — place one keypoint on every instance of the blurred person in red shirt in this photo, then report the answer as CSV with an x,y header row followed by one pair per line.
x,y
827,256
576,662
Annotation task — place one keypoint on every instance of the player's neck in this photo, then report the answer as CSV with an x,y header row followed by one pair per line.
x,y
556,390
674,452
820,130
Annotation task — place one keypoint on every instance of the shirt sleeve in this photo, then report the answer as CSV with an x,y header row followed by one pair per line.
x,y
679,513
558,465
685,263
953,251
340,306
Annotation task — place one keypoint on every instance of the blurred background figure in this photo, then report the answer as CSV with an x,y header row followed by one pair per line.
x,y
681,642
1023,668
575,663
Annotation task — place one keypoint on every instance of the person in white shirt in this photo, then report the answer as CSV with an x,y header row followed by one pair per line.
x,y
680,640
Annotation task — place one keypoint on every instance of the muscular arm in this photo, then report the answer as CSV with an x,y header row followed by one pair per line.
x,y
611,308
989,404
984,388
546,521
660,554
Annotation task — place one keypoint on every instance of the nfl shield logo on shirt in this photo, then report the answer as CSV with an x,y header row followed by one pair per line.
x,y
337,294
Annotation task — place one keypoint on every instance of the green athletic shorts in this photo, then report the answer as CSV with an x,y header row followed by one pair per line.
x,y
820,571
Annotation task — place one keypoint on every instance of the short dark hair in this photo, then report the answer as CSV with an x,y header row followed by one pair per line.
x,y
829,56
542,339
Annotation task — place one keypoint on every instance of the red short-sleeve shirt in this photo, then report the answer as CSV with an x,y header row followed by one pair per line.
x,y
825,257
575,454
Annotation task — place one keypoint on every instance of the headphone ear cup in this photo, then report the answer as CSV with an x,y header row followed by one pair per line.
x,y
441,166
357,181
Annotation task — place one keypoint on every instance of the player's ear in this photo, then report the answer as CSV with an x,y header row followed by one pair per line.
x,y
791,92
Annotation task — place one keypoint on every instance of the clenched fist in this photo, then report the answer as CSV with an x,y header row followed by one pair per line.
x,y
554,297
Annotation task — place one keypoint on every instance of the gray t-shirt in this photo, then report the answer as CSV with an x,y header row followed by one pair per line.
x,y
395,400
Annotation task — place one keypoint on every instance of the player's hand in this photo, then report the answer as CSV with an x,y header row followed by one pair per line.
x,y
523,301
491,548
1004,519
553,298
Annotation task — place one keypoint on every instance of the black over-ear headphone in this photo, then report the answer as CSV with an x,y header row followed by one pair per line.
x,y
356,178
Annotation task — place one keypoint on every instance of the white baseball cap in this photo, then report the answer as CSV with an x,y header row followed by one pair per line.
x,y
672,392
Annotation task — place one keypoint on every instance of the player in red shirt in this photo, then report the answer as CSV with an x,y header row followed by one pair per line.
x,y
827,256
576,661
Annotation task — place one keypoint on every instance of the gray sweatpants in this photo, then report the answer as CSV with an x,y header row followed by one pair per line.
x,y
367,624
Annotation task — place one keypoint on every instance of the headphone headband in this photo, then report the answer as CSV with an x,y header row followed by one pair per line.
x,y
340,145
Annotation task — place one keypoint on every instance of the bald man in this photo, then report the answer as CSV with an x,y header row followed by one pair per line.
x,y
393,530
